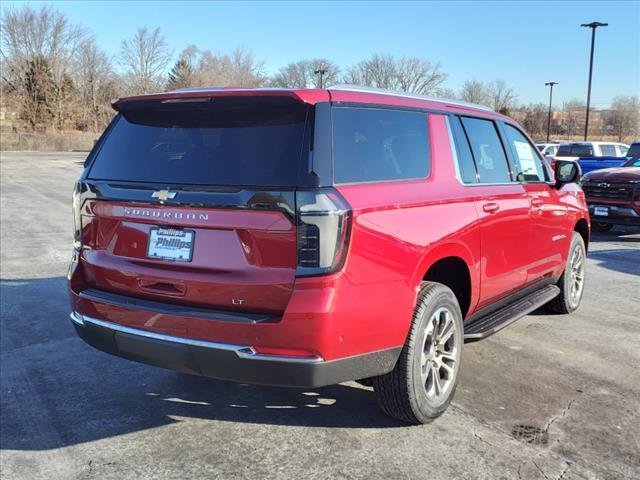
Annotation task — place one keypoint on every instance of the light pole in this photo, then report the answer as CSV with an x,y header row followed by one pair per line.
x,y
321,72
549,84
592,26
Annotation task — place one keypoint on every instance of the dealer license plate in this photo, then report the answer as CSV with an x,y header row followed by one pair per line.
x,y
171,244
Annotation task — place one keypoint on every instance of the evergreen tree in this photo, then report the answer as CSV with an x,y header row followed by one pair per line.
x,y
181,75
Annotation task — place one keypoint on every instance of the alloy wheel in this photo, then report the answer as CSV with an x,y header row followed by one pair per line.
x,y
439,356
576,274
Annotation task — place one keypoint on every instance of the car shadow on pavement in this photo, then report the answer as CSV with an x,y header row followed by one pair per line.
x,y
58,391
625,260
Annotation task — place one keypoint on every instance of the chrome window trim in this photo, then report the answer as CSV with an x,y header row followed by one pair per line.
x,y
454,151
243,351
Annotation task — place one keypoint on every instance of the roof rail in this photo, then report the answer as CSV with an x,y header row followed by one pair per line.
x,y
382,91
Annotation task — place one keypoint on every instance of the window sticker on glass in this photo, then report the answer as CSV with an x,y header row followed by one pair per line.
x,y
525,157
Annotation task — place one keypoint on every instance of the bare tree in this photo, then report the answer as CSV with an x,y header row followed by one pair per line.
x,y
474,91
417,75
497,94
246,70
240,68
624,117
145,57
46,35
211,69
444,92
378,71
573,117
503,98
330,75
302,74
97,84
408,74
534,119
293,75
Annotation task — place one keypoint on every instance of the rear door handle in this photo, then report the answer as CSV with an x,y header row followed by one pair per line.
x,y
537,202
491,207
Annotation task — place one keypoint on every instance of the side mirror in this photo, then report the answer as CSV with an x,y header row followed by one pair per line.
x,y
566,172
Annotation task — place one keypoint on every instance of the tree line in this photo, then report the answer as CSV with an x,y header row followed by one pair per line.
x,y
621,121
56,76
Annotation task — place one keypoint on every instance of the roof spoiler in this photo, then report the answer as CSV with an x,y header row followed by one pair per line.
x,y
208,95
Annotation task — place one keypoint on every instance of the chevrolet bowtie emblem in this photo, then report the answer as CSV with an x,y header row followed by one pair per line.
x,y
163,195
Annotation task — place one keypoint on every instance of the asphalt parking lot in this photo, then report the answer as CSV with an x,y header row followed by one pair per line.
x,y
551,397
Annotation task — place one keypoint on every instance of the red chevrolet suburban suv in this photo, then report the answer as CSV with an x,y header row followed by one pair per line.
x,y
311,237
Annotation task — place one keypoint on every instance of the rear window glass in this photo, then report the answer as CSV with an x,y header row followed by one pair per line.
x,y
379,144
201,145
488,153
575,151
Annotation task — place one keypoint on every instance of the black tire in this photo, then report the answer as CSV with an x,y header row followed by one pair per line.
x,y
566,301
402,393
601,227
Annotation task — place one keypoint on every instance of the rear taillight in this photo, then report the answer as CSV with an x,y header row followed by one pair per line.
x,y
77,222
323,220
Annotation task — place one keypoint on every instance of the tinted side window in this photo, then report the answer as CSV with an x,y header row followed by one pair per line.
x,y
576,150
527,163
608,151
488,153
466,164
379,144
582,150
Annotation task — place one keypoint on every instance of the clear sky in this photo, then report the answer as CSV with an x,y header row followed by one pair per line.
x,y
524,43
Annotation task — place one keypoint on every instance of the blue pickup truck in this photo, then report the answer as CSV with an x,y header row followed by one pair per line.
x,y
594,155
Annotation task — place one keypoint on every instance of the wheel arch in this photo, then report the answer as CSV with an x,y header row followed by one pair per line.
x,y
452,265
582,227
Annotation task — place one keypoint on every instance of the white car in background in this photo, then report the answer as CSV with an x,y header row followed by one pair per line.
x,y
593,155
548,148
